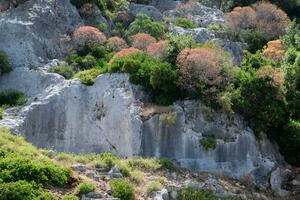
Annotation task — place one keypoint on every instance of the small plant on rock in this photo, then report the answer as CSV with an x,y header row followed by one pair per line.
x,y
5,66
85,187
122,189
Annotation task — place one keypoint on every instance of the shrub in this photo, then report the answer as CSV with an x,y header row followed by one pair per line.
x,y
157,77
85,187
184,22
70,197
202,72
124,53
255,40
154,186
86,36
5,66
262,17
193,194
14,167
241,18
271,20
88,77
290,142
144,24
65,71
137,176
142,41
2,109
209,143
292,38
254,61
159,50
122,189
177,44
12,98
166,163
258,89
116,44
22,190
144,164
274,50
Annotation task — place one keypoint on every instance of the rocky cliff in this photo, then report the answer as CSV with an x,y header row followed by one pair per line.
x,y
65,115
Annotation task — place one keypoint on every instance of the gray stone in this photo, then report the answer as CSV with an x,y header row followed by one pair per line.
x,y
277,178
234,48
37,31
203,16
91,174
174,195
180,140
164,5
151,11
199,34
79,167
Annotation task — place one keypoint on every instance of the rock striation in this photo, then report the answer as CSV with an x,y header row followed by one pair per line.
x,y
37,31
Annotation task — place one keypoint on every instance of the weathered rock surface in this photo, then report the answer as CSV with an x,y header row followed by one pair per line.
x,y
237,154
151,11
199,34
37,31
200,14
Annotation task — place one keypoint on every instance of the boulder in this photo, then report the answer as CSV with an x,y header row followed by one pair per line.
x,y
203,16
234,48
151,11
277,178
164,5
199,34
38,30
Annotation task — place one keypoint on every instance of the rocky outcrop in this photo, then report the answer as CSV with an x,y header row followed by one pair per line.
x,y
37,31
178,134
68,116
151,11
201,15
199,34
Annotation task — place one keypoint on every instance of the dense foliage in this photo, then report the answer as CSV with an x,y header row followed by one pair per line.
x,y
122,189
23,171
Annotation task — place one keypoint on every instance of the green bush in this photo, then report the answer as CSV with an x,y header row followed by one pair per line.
x,y
22,190
209,143
2,109
5,66
177,44
14,167
12,98
65,71
154,186
88,77
255,61
85,187
184,22
144,24
253,39
193,194
290,142
122,189
70,197
166,163
156,76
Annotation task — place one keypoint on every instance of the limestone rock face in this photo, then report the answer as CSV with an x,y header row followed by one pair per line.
x,y
68,116
200,14
151,11
37,31
199,34
178,134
